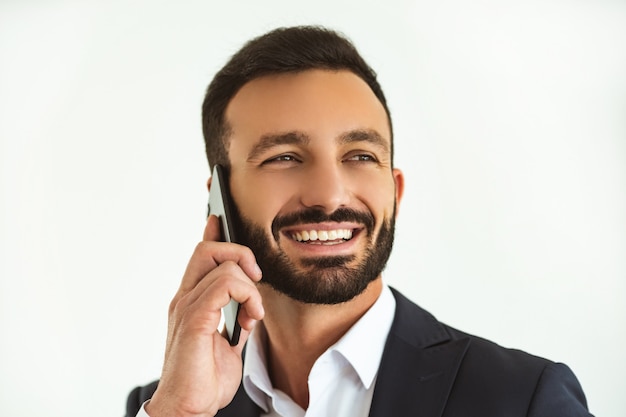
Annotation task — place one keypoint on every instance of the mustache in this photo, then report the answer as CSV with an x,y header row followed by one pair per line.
x,y
313,215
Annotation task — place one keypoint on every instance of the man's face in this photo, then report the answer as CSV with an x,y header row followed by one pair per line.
x,y
312,180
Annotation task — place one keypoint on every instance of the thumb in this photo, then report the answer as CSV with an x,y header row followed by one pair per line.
x,y
212,231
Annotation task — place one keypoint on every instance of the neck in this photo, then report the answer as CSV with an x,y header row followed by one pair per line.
x,y
300,333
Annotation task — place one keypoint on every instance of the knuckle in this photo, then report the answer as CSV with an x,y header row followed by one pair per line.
x,y
174,303
230,268
203,247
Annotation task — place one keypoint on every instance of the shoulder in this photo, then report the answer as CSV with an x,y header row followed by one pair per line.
x,y
488,378
501,377
421,329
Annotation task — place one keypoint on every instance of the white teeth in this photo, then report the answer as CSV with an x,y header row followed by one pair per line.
x,y
322,235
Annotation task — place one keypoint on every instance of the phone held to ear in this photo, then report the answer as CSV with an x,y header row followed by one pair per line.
x,y
220,205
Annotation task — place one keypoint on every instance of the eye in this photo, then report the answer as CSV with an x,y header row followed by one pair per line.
x,y
284,158
361,157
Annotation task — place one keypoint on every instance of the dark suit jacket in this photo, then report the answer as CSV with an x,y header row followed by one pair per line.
x,y
431,370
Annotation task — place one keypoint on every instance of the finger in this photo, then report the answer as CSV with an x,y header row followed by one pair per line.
x,y
212,231
242,291
222,279
201,310
248,318
209,255
243,337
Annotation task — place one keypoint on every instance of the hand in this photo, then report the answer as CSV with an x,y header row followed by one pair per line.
x,y
202,371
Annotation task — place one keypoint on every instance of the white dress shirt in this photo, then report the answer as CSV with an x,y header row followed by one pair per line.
x,y
342,380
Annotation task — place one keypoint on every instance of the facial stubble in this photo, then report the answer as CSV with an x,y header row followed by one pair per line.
x,y
319,280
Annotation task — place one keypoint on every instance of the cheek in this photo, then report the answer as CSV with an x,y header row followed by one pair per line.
x,y
378,193
257,199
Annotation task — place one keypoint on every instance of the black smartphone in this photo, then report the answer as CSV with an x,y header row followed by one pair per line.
x,y
220,205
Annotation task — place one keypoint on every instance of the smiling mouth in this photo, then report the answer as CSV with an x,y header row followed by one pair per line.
x,y
322,237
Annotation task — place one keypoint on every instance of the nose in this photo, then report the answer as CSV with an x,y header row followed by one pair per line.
x,y
325,187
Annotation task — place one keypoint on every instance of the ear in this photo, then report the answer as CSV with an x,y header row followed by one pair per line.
x,y
208,183
398,178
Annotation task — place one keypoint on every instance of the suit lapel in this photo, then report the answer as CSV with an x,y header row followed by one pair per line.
x,y
418,366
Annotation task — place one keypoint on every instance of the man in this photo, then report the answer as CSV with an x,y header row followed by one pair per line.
x,y
302,126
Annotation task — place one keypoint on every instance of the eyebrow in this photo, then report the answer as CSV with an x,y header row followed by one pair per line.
x,y
272,140
364,135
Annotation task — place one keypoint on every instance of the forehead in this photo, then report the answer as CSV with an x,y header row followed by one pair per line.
x,y
320,103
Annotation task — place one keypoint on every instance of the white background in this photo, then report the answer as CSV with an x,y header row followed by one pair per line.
x,y
510,122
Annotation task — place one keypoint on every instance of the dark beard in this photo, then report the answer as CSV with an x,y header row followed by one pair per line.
x,y
325,280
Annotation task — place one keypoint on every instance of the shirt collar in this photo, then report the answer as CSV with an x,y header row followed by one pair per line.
x,y
360,346
256,380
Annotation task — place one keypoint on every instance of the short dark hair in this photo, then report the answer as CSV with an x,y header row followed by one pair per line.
x,y
283,50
